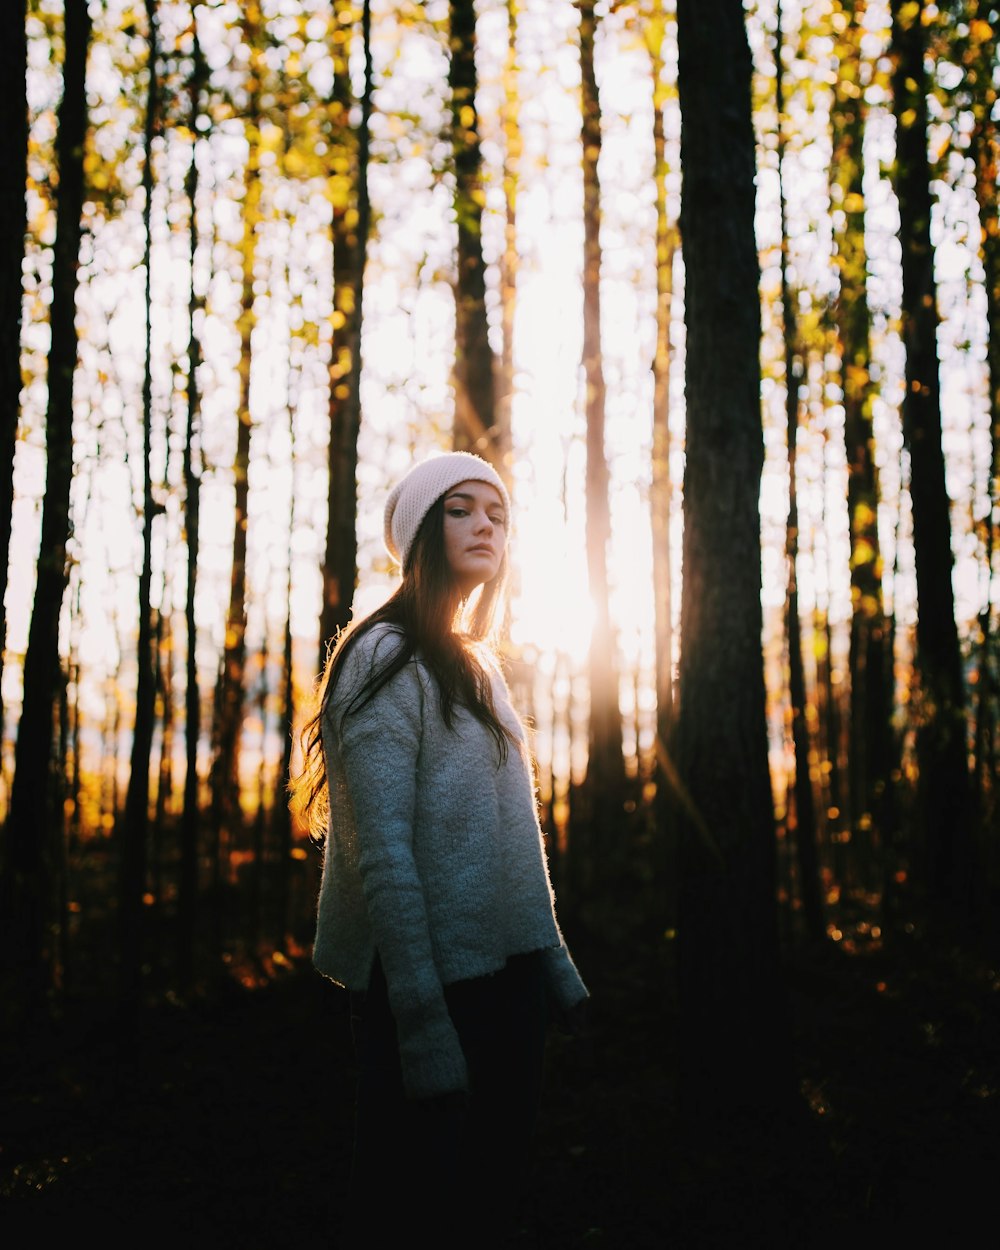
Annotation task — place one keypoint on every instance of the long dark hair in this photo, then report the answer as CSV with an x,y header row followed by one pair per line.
x,y
432,620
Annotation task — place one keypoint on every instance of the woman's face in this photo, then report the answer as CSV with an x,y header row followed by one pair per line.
x,y
475,533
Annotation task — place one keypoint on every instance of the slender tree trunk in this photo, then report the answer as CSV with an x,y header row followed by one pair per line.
x,y
258,861
134,850
109,740
805,800
944,789
281,828
828,702
32,825
735,1039
69,842
985,151
895,852
227,812
476,427
13,226
660,494
60,859
871,706
162,822
605,762
187,887
351,222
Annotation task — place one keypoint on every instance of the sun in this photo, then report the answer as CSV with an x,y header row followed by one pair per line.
x,y
551,609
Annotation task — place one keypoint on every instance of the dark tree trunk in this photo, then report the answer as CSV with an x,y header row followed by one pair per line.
x,y
942,752
32,824
805,799
660,494
187,888
69,842
985,151
870,750
227,811
281,823
134,849
828,709
258,861
476,427
895,850
734,1045
111,796
351,220
605,761
13,226
162,823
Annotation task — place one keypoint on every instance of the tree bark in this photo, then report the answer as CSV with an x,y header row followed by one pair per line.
x,y
805,799
351,223
133,834
942,755
734,1045
32,825
660,493
869,757
476,427
985,152
227,813
187,887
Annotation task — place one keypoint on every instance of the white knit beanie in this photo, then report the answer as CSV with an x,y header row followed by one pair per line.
x,y
411,497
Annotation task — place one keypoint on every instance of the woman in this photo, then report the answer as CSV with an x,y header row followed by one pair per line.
x,y
436,908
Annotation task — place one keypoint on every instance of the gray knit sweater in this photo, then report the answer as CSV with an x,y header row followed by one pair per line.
x,y
434,856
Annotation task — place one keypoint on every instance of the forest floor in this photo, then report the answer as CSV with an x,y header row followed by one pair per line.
x,y
228,1124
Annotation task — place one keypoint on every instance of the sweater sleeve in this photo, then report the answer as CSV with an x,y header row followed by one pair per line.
x,y
565,985
379,745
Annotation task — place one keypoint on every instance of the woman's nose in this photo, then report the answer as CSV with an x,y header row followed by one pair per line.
x,y
483,522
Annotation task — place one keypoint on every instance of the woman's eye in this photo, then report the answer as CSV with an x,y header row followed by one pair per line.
x,y
457,512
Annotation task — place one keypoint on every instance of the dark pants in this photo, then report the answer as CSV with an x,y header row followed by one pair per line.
x,y
452,1169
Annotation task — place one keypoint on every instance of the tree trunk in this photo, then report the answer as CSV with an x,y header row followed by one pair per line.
x,y
942,755
281,818
258,861
870,752
805,800
660,493
985,152
32,825
605,762
828,708
13,226
476,428
734,1045
162,819
135,824
187,887
351,220
227,814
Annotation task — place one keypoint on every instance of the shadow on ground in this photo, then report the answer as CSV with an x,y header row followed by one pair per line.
x,y
229,1124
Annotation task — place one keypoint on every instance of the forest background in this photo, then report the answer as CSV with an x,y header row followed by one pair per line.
x,y
717,292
